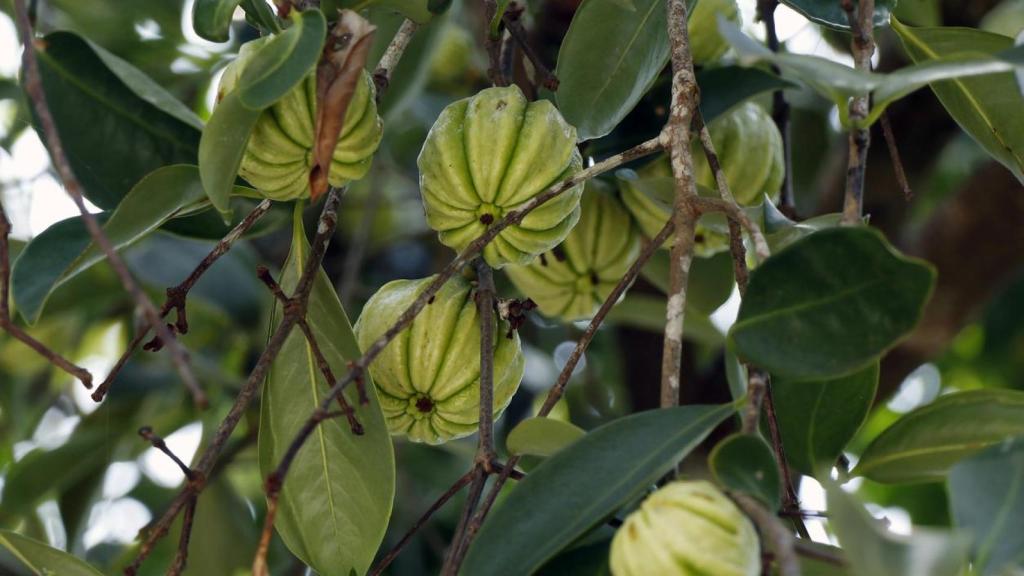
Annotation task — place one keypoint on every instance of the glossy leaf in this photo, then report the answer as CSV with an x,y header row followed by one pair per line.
x,y
987,107
831,14
65,250
43,559
839,82
116,125
542,436
280,64
817,419
987,497
926,443
221,149
745,463
582,485
871,549
335,505
609,58
211,19
723,87
830,304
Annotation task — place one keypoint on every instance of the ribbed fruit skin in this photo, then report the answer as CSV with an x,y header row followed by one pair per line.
x,y
488,154
428,377
706,44
749,147
687,528
279,154
573,280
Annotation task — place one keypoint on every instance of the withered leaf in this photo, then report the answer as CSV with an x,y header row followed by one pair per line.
x,y
337,74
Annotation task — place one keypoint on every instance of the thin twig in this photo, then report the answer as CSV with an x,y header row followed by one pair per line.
x,y
181,556
147,434
485,445
514,25
780,107
772,531
389,61
684,215
861,19
177,295
894,156
34,88
325,230
790,498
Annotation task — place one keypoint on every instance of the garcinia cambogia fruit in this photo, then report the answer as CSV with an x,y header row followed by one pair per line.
x,y
706,43
428,377
574,279
279,154
648,195
687,528
749,148
486,155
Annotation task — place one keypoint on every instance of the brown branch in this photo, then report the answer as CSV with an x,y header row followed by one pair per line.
x,y
325,230
177,295
861,19
33,84
790,498
514,25
684,215
181,556
389,61
894,156
780,107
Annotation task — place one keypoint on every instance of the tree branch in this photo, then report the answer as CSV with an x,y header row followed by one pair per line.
x,y
389,61
177,295
34,88
514,25
773,531
861,21
684,214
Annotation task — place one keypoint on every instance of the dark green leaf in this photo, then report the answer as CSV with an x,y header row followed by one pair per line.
x,y
745,463
926,443
221,149
542,436
609,58
986,107
817,419
64,250
116,125
711,279
336,503
579,487
831,14
208,225
830,304
871,549
723,87
647,312
987,497
211,19
42,559
280,64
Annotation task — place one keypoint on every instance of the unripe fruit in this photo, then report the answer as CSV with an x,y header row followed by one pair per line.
x,y
687,528
649,200
488,154
279,154
572,281
428,377
749,148
706,43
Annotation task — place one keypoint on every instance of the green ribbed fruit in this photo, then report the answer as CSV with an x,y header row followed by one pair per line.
x,y
279,154
486,155
573,281
706,43
687,528
648,198
749,147
428,377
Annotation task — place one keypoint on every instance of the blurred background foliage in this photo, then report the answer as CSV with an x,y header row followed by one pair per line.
x,y
75,473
